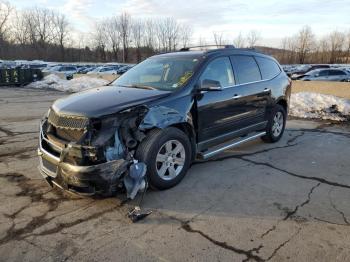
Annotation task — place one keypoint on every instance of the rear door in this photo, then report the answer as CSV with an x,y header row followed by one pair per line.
x,y
336,75
254,91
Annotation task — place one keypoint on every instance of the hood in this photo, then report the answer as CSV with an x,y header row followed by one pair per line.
x,y
105,100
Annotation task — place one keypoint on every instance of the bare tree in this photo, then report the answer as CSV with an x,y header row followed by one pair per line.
x,y
20,29
40,24
239,41
305,40
347,53
112,29
137,36
125,27
5,12
324,50
253,38
100,40
185,35
150,34
336,40
61,32
218,38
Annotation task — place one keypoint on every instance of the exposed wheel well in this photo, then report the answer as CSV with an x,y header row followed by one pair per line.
x,y
283,103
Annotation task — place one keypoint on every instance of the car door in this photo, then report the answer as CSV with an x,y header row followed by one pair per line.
x,y
336,75
220,113
323,75
255,92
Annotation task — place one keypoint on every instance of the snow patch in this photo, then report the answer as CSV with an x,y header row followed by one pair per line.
x,y
314,105
53,81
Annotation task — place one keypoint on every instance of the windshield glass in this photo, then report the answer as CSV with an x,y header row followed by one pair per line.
x,y
163,73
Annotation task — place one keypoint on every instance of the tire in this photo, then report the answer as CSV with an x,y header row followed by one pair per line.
x,y
165,172
272,135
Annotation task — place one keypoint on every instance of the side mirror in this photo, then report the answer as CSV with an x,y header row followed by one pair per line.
x,y
210,85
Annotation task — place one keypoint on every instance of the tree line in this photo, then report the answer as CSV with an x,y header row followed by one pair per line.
x,y
40,33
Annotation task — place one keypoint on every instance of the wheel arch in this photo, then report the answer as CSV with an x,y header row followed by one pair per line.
x,y
283,102
188,129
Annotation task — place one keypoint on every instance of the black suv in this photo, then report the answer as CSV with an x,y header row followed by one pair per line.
x,y
165,112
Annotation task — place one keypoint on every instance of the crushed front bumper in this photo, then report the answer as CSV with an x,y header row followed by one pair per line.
x,y
83,180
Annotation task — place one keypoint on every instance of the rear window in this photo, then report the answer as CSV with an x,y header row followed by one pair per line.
x,y
269,68
246,69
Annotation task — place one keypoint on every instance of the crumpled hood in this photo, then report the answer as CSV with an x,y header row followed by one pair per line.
x,y
105,100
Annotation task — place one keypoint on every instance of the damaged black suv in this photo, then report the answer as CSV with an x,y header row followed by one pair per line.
x,y
165,112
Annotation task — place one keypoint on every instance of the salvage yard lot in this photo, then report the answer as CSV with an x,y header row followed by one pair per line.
x,y
259,202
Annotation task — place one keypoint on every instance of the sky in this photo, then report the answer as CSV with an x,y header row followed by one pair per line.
x,y
273,19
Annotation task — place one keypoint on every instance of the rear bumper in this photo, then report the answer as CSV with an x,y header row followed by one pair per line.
x,y
82,180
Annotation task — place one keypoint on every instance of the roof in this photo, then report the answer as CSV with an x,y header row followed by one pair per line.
x,y
227,49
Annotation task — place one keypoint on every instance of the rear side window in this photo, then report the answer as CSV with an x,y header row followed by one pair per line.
x,y
269,68
246,69
336,73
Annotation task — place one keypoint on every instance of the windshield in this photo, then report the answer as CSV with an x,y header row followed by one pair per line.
x,y
162,73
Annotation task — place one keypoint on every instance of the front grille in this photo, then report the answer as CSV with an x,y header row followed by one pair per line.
x,y
67,122
72,135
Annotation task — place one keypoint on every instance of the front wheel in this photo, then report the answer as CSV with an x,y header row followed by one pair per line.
x,y
276,124
167,154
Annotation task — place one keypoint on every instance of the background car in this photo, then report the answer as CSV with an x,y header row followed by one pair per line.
x,y
303,69
104,70
123,69
339,75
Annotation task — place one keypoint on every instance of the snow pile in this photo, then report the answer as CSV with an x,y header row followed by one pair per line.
x,y
314,105
53,81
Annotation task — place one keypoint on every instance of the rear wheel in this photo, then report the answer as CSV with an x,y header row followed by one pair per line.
x,y
276,125
167,154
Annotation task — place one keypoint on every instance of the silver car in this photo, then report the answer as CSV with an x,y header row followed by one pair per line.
x,y
339,75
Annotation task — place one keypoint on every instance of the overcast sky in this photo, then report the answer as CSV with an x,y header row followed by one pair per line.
x,y
274,19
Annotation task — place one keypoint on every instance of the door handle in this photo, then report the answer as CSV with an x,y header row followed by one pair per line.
x,y
236,96
267,90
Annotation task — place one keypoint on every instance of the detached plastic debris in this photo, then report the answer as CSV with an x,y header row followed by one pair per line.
x,y
117,151
136,214
134,181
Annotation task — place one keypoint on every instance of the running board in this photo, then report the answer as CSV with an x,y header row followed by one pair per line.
x,y
207,154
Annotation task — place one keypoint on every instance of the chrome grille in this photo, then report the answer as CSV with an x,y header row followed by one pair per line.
x,y
67,122
72,135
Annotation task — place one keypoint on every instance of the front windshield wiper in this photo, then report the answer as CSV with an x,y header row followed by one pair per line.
x,y
139,86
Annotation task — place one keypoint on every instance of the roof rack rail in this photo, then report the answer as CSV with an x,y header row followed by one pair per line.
x,y
201,47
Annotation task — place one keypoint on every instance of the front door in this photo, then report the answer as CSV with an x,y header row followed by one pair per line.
x,y
219,112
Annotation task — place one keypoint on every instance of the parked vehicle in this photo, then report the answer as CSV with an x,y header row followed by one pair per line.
x,y
124,69
165,112
339,75
104,70
305,69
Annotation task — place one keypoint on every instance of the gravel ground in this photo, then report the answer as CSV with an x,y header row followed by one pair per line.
x,y
287,201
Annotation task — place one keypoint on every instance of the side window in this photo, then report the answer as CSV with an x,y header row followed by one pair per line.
x,y
219,69
246,69
336,73
323,73
268,68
